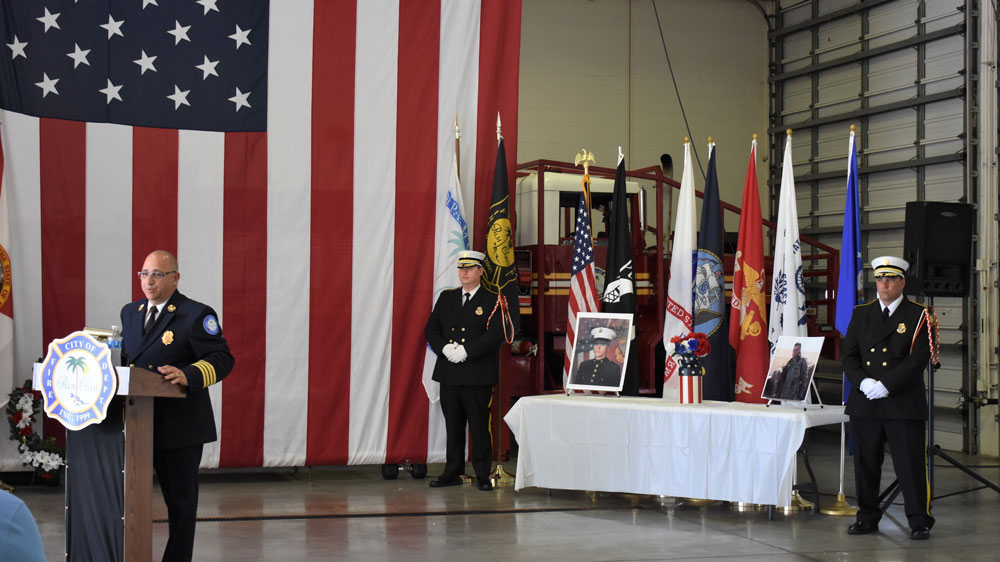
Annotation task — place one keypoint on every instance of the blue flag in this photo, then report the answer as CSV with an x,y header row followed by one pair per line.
x,y
710,314
849,285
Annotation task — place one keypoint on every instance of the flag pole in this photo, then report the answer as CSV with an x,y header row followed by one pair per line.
x,y
841,507
458,149
499,476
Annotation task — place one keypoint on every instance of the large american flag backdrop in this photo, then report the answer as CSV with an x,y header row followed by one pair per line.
x,y
290,152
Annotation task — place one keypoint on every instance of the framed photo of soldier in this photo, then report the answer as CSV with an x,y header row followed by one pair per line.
x,y
600,353
792,368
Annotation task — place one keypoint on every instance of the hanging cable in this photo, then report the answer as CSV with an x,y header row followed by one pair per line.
x,y
676,89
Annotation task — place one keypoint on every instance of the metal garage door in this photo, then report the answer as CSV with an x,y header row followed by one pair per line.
x,y
898,70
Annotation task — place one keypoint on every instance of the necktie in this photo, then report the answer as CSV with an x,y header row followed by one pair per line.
x,y
885,314
151,320
466,300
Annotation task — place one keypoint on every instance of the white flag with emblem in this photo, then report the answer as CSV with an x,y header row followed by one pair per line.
x,y
678,319
788,295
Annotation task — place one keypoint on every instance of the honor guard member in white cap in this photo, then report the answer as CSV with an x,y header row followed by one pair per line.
x,y
600,371
467,368
885,354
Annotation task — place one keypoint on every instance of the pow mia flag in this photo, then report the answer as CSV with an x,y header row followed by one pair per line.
x,y
619,284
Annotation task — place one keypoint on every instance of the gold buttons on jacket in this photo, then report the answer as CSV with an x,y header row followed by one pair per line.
x,y
873,350
885,349
463,340
463,329
884,363
869,363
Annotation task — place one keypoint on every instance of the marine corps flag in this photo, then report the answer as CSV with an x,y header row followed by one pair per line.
x,y
619,276
748,311
710,291
500,275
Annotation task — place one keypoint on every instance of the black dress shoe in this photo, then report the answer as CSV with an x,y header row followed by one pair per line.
x,y
862,528
444,482
920,533
485,485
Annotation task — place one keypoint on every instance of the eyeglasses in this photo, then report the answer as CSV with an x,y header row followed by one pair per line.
x,y
155,274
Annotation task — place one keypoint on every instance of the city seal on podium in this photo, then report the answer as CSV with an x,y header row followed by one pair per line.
x,y
78,380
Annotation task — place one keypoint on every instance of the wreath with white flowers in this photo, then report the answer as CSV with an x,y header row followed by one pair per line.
x,y
41,454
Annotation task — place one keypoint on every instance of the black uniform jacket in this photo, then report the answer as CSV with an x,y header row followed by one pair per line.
x,y
450,322
895,352
182,337
598,372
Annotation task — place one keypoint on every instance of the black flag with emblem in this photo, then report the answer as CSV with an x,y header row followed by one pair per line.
x,y
619,272
500,272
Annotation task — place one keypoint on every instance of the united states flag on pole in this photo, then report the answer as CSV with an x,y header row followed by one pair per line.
x,y
679,318
302,210
582,286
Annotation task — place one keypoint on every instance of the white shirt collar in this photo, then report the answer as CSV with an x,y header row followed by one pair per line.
x,y
473,292
893,305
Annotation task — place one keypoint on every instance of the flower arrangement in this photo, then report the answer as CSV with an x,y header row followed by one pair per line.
x,y
695,344
41,454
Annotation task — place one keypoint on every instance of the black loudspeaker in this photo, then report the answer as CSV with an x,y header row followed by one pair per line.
x,y
938,245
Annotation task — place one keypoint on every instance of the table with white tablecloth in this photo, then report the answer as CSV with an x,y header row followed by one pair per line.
x,y
714,450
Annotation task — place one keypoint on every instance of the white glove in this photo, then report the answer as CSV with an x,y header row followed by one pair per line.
x,y
877,391
449,351
460,354
866,385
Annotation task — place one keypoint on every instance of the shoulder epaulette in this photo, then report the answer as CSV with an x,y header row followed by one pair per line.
x,y
869,303
917,303
451,290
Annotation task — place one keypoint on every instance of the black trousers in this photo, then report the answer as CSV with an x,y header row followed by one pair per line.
x,y
463,404
908,447
177,470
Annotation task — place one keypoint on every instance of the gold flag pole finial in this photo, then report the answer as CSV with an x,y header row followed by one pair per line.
x,y
853,127
755,137
687,140
585,157
499,136
788,132
710,140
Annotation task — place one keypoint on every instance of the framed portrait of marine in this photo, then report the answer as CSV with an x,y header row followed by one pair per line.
x,y
792,368
600,353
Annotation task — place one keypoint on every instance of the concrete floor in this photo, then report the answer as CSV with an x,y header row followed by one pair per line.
x,y
351,513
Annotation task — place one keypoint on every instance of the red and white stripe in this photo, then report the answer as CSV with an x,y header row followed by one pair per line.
x,y
582,298
690,388
312,240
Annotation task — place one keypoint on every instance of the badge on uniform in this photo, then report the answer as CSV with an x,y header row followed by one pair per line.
x,y
211,325
479,311
142,306
901,329
171,308
168,338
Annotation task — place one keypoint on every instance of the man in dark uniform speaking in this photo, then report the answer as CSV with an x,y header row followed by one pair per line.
x,y
885,353
459,330
600,371
182,340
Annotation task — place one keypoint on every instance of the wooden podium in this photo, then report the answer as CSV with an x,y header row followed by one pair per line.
x,y
110,465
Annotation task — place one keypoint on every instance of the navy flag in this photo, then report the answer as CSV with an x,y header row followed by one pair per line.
x,y
619,271
500,272
175,65
710,314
